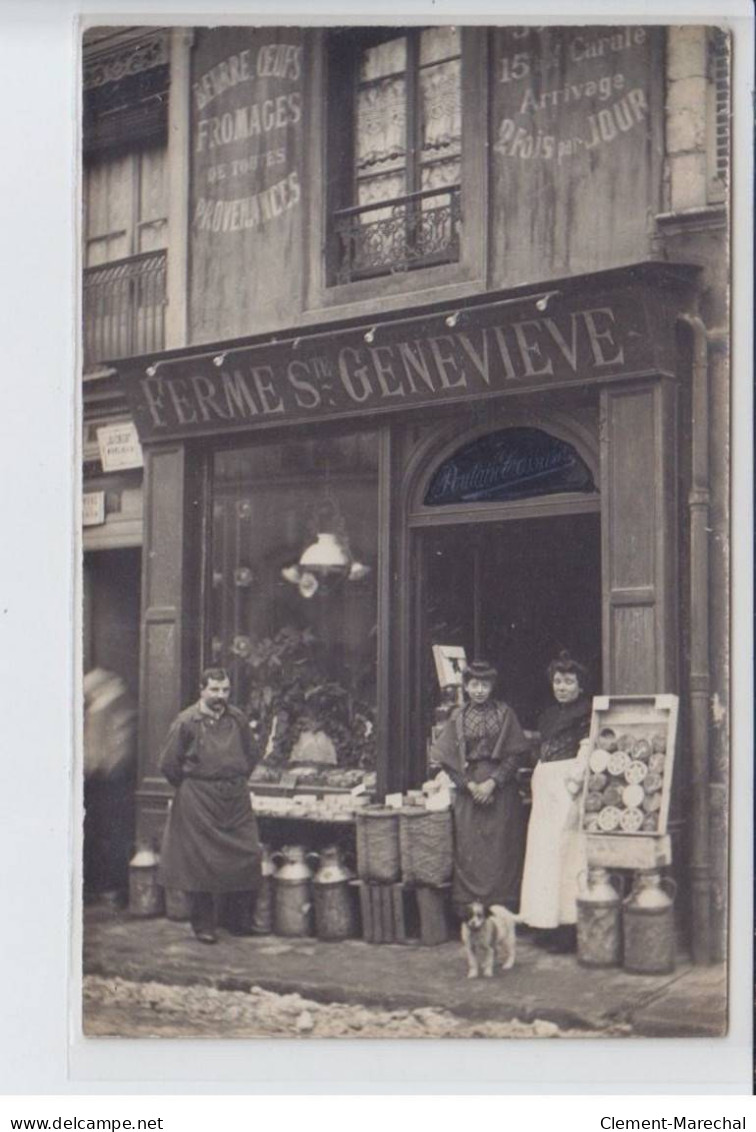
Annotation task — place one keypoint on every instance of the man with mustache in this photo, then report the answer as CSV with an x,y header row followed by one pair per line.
x,y
211,845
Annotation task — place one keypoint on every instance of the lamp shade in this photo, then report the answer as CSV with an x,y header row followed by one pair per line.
x,y
326,553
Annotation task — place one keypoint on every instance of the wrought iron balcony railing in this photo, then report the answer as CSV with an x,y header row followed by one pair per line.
x,y
124,307
417,230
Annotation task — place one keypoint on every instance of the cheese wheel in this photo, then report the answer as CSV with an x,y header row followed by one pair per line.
x,y
633,796
597,761
608,739
659,742
625,742
612,796
593,803
656,763
609,819
596,783
635,772
642,750
651,803
631,820
617,762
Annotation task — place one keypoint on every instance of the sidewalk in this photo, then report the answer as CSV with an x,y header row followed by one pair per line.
x,y
689,1002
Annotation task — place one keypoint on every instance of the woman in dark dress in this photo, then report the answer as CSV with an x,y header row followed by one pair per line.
x,y
555,854
481,748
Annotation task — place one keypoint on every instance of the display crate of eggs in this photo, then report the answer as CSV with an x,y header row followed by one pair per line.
x,y
629,776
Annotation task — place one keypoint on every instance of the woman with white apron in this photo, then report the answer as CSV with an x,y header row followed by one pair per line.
x,y
555,850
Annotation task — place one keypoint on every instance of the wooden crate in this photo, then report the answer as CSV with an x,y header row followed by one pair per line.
x,y
611,852
382,912
401,913
632,719
433,906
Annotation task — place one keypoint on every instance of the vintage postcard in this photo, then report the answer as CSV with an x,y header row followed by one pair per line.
x,y
406,400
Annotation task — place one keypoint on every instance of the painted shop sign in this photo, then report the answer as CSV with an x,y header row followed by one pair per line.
x,y
93,508
476,354
245,107
246,188
577,140
566,92
119,447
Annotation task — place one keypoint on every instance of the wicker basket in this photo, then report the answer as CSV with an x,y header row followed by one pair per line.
x,y
426,844
378,853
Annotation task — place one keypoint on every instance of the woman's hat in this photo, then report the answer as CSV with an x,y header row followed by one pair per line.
x,y
479,670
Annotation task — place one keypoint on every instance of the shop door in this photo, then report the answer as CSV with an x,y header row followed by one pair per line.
x,y
515,594
512,580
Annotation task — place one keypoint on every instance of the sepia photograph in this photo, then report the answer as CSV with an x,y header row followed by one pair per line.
x,y
405,530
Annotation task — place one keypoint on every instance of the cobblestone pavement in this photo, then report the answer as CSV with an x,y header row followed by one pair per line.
x,y
115,1007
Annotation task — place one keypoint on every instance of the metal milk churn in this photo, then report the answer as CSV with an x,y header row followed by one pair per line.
x,y
649,924
599,929
177,904
293,892
262,917
145,894
335,911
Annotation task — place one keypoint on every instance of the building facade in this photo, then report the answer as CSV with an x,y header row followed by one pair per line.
x,y
421,337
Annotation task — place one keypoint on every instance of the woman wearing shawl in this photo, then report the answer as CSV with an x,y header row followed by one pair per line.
x,y
481,748
555,851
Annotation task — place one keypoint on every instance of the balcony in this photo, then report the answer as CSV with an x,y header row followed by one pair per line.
x,y
417,230
124,308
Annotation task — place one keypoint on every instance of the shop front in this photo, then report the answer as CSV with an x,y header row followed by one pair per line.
x,y
506,476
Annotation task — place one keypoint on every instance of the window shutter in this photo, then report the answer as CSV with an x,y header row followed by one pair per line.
x,y
126,93
719,112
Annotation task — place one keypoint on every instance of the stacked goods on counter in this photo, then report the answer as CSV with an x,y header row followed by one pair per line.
x,y
310,792
625,808
632,744
624,787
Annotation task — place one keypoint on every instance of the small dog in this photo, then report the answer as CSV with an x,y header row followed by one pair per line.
x,y
489,937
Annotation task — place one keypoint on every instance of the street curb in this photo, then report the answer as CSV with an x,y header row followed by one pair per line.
x,y
325,994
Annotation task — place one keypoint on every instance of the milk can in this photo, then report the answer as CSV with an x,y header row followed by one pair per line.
x,y
599,936
335,912
649,926
145,894
178,904
293,892
262,917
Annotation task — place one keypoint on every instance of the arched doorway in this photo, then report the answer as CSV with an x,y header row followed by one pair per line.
x,y
505,551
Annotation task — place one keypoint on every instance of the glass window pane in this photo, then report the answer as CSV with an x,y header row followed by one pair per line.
x,y
437,175
440,108
515,463
293,600
439,43
153,200
386,58
381,125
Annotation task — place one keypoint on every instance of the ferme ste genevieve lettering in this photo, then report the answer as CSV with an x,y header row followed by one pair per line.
x,y
281,380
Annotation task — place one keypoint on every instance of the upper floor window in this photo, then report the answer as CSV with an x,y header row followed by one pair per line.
x,y
718,113
125,236
396,152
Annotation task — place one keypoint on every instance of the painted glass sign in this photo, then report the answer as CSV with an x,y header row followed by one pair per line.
x,y
246,143
514,463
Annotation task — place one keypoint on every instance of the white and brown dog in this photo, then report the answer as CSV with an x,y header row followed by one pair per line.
x,y
489,937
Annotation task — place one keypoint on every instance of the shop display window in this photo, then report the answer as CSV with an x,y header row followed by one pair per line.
x,y
292,603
